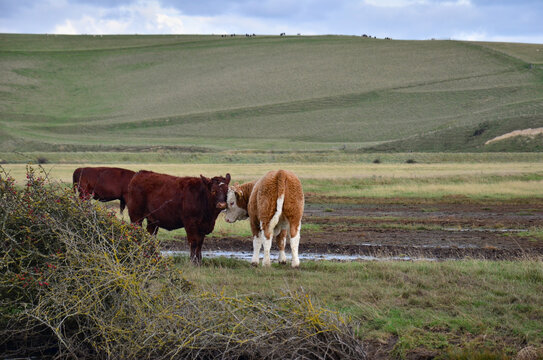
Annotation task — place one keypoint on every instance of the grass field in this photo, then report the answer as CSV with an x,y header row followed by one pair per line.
x,y
452,310
500,180
122,92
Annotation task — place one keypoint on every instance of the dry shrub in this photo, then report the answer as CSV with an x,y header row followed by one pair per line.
x,y
76,282
529,353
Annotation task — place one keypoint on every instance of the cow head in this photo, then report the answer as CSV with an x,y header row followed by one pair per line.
x,y
218,187
234,211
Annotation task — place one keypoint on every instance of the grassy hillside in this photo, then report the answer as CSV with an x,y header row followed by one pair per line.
x,y
65,93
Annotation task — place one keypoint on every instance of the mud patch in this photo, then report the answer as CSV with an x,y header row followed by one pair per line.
x,y
413,231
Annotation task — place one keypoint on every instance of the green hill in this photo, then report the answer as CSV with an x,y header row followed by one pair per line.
x,y
265,92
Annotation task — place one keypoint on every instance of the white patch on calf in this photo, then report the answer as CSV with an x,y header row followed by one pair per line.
x,y
279,210
294,243
267,242
266,261
257,244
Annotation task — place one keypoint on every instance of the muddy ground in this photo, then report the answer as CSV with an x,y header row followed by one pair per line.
x,y
416,230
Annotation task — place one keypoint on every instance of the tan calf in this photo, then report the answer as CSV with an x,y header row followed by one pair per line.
x,y
275,205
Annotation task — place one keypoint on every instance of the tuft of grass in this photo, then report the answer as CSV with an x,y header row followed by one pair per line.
x,y
474,354
214,262
534,234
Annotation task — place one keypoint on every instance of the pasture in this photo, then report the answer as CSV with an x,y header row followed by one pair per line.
x,y
471,234
213,93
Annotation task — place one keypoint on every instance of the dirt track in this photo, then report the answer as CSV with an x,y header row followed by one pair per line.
x,y
436,230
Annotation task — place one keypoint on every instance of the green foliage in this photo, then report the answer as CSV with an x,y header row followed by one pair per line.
x,y
76,282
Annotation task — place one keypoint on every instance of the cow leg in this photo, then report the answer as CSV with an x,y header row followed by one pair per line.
x,y
196,253
152,228
280,239
195,240
266,238
294,242
122,206
257,244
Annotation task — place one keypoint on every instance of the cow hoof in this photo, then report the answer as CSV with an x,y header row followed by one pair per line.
x,y
296,266
284,262
253,264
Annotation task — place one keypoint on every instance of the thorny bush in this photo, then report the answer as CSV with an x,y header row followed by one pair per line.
x,y
77,282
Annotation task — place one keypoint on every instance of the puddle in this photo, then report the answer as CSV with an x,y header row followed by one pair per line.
x,y
247,256
428,246
487,230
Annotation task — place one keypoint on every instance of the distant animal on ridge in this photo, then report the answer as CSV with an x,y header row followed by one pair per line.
x,y
172,202
274,205
102,183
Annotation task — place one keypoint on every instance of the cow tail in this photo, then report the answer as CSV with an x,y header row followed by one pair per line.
x,y
281,187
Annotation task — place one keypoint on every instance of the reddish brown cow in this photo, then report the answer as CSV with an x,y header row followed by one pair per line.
x,y
103,183
172,202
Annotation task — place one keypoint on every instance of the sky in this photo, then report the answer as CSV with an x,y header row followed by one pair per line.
x,y
478,20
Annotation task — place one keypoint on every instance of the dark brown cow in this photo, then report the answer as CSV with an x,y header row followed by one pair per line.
x,y
103,183
172,202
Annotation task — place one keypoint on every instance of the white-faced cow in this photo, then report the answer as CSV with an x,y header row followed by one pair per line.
x,y
275,205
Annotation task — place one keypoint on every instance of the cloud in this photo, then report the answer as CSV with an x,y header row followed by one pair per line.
x,y
489,20
151,17
470,36
410,3
484,36
142,17
90,25
394,3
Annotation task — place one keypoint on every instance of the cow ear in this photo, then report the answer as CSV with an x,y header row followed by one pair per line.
x,y
227,178
207,181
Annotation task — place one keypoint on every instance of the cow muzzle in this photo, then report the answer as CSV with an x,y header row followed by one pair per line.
x,y
221,205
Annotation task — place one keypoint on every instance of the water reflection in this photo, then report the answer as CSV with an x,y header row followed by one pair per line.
x,y
247,256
